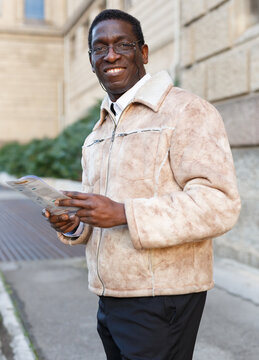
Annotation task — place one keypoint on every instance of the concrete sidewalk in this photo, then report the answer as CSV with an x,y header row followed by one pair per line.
x,y
56,309
59,313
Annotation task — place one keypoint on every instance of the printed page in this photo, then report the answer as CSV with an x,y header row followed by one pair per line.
x,y
41,193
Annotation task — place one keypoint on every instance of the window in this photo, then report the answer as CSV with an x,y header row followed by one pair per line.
x,y
34,9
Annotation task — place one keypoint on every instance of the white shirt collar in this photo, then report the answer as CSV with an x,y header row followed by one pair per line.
x,y
128,96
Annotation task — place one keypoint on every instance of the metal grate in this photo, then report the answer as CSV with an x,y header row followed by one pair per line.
x,y
25,234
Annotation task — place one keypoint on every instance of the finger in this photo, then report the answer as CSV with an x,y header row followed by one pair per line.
x,y
74,203
77,195
66,227
45,213
59,225
69,228
84,213
62,220
59,218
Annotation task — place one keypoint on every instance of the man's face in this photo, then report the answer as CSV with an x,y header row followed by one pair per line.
x,y
117,72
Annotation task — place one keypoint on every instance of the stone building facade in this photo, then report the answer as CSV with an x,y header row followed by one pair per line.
x,y
31,70
209,47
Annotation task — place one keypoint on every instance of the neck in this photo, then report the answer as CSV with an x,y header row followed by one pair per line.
x,y
114,97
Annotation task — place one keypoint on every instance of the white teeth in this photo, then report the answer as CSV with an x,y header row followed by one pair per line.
x,y
114,70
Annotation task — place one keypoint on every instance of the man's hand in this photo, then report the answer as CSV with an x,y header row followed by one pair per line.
x,y
96,210
62,223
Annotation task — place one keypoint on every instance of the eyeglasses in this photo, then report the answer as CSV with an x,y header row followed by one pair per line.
x,y
119,48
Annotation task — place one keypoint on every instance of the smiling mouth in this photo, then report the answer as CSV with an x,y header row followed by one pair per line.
x,y
114,70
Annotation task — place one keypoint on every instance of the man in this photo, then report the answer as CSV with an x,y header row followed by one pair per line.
x,y
159,183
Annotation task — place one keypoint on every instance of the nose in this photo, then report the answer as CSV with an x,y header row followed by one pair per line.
x,y
111,55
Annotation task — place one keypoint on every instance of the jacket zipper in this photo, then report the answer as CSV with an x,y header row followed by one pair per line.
x,y
151,271
105,192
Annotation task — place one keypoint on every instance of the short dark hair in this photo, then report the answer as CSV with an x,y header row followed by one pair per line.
x,y
110,14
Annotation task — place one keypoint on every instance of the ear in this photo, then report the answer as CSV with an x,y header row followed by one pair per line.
x,y
90,59
144,52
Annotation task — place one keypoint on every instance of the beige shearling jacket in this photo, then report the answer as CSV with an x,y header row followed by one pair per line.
x,y
169,161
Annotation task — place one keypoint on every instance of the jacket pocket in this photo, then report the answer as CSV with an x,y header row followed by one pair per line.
x,y
137,155
92,161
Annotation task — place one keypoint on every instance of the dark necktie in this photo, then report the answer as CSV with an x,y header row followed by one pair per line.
x,y
112,109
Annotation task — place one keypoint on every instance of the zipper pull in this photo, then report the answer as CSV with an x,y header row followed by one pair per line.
x,y
113,133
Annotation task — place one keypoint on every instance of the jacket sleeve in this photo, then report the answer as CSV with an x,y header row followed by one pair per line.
x,y
87,231
207,204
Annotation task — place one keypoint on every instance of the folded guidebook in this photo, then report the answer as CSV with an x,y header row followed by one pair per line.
x,y
41,193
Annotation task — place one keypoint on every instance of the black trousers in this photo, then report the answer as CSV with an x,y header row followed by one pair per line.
x,y
154,328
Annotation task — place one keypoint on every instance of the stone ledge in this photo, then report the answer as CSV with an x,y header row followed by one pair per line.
x,y
255,67
242,253
241,243
235,277
211,4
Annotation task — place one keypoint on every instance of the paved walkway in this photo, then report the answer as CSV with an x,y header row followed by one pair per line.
x,y
25,234
56,307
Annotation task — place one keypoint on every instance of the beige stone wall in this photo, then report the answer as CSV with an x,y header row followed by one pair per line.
x,y
56,13
219,57
31,71
158,24
10,12
82,89
31,75
73,6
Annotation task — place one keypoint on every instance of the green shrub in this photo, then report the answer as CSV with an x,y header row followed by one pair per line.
x,y
59,157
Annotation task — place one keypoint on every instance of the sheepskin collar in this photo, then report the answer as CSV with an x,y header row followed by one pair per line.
x,y
151,94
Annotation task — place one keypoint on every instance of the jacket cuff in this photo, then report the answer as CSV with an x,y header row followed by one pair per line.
x,y
82,239
132,225
77,232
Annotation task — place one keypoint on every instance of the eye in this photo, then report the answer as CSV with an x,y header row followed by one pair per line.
x,y
100,49
124,46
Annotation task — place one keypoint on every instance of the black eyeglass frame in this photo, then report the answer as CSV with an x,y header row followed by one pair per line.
x,y
107,47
